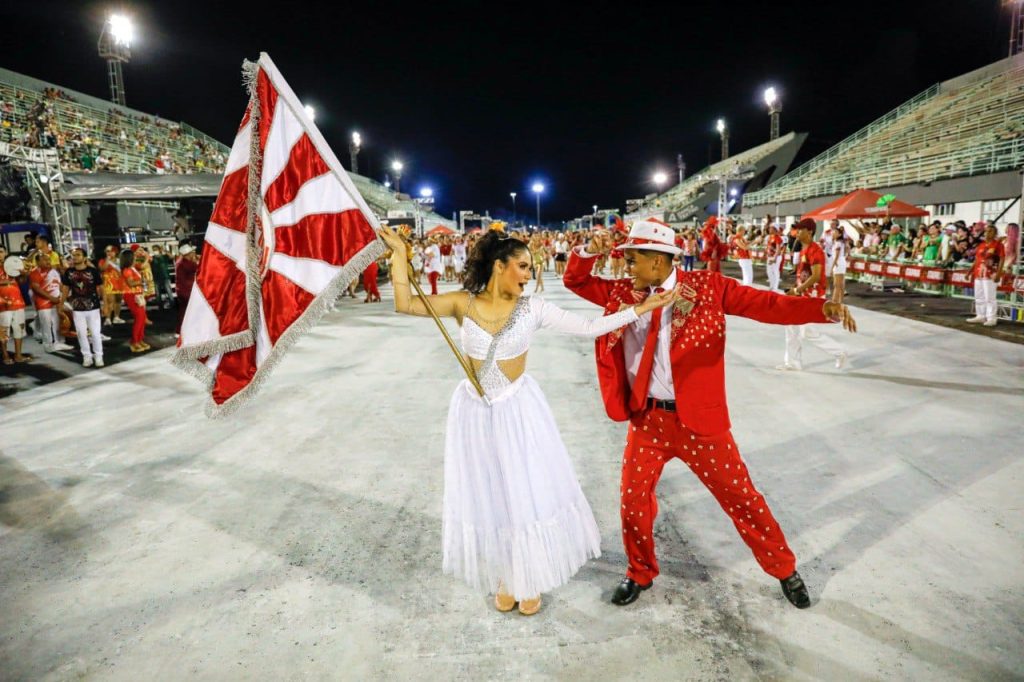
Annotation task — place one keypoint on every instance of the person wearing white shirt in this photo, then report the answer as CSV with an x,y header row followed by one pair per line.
x,y
432,264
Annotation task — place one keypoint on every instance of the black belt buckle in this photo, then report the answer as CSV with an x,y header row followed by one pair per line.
x,y
667,405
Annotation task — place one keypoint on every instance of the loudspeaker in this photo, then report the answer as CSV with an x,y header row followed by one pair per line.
x,y
14,194
103,221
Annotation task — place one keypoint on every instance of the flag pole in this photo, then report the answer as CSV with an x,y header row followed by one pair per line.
x,y
466,367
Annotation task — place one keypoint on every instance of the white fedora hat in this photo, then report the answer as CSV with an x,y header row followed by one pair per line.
x,y
652,235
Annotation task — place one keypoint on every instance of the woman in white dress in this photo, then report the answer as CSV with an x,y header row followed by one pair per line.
x,y
515,520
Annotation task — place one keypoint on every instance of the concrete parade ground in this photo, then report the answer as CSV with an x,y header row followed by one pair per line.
x,y
300,539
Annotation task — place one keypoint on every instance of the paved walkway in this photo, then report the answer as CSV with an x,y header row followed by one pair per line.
x,y
300,538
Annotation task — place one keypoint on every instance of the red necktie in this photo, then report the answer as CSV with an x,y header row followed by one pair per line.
x,y
638,398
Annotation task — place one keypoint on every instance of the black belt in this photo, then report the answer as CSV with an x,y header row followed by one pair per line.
x,y
667,405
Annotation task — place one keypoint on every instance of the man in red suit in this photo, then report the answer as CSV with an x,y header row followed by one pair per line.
x,y
665,374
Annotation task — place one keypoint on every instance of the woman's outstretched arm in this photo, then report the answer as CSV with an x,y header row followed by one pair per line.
x,y
550,316
445,305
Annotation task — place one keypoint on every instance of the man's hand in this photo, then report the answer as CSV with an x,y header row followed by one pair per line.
x,y
837,312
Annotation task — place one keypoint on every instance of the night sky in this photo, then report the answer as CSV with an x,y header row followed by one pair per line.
x,y
480,99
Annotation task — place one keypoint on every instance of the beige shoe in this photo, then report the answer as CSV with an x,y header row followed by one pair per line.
x,y
504,602
528,607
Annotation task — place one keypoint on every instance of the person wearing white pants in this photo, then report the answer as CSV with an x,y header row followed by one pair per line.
x,y
88,325
83,289
988,270
44,280
773,254
810,277
742,251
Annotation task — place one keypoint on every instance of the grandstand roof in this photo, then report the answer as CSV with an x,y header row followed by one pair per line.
x,y
691,197
968,126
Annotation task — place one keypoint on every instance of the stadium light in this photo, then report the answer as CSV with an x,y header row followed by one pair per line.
x,y
771,98
595,209
513,195
538,189
353,150
115,47
426,192
723,131
121,29
660,179
397,167
310,111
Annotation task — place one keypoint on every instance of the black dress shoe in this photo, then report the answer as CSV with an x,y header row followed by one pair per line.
x,y
627,591
795,590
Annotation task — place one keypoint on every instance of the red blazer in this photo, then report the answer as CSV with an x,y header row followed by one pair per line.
x,y
698,338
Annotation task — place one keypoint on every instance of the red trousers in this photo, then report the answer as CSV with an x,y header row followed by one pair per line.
x,y
370,281
655,437
139,315
433,277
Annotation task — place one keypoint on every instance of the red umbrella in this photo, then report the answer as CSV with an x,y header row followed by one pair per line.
x,y
440,229
863,203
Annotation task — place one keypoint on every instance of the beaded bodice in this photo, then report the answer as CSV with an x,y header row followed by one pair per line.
x,y
511,343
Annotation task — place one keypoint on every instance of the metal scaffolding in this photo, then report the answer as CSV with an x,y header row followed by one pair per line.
x,y
46,180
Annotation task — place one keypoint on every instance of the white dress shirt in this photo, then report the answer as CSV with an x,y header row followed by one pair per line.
x,y
660,387
633,340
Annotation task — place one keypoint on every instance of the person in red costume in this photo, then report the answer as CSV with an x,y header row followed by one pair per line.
x,y
989,265
665,374
810,283
714,250
370,283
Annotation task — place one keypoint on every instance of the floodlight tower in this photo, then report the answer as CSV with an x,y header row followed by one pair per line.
x,y
354,145
115,46
771,98
397,167
538,189
723,131
681,167
1016,26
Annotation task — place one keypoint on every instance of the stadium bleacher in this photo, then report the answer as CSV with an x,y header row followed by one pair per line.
x,y
91,135
971,125
685,198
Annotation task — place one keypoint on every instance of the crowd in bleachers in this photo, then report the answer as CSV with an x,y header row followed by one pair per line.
x,y
935,244
89,139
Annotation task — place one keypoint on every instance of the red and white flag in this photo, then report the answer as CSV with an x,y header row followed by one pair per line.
x,y
289,231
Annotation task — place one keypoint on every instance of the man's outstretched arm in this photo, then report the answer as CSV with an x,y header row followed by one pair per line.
x,y
772,308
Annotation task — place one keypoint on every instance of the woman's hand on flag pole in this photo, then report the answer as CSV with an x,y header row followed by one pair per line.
x,y
392,239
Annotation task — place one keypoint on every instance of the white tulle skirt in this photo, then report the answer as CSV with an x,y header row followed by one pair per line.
x,y
514,511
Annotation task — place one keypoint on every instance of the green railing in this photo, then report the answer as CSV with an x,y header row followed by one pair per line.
x,y
774,192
